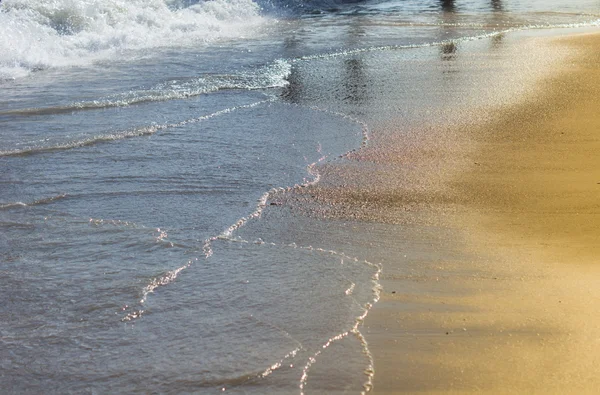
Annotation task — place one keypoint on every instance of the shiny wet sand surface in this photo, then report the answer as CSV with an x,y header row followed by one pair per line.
x,y
518,312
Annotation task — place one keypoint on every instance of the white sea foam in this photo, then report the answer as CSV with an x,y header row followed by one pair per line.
x,y
270,76
57,33
273,75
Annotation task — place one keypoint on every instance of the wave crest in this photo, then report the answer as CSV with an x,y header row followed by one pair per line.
x,y
43,34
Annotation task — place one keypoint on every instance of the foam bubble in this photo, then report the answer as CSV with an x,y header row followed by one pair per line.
x,y
58,33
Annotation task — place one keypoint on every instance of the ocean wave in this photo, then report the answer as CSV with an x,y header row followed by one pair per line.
x,y
36,202
273,75
126,134
270,76
145,131
36,35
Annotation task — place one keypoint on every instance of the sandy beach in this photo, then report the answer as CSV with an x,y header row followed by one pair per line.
x,y
513,306
267,197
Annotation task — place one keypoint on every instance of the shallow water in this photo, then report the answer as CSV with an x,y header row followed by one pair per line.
x,y
148,153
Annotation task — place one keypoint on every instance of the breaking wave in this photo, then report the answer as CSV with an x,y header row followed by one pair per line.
x,y
270,76
36,35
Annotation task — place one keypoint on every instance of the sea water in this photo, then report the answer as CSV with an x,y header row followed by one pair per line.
x,y
146,152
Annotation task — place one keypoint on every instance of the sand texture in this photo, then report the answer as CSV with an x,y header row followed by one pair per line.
x,y
511,304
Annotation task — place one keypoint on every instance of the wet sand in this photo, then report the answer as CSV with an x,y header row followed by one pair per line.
x,y
511,302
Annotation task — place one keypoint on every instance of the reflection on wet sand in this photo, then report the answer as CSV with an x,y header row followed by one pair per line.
x,y
447,19
354,76
450,6
451,316
450,16
355,81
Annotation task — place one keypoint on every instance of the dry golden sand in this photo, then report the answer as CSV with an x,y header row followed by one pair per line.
x,y
523,316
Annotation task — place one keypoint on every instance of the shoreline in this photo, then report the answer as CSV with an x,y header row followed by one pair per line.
x,y
509,308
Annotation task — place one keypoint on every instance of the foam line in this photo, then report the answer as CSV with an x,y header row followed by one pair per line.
x,y
273,75
444,42
369,370
35,202
156,282
228,233
138,132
